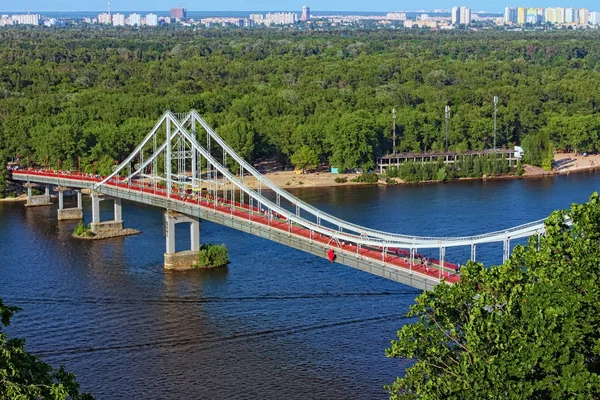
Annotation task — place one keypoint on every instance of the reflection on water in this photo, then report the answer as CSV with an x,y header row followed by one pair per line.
x,y
276,323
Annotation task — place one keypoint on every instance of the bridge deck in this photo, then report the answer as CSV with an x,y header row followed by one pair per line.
x,y
240,216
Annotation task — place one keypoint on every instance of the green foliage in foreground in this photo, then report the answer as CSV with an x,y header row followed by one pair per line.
x,y
24,376
213,255
527,329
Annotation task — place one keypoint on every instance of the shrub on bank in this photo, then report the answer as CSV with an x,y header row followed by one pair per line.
x,y
82,230
367,177
341,179
213,255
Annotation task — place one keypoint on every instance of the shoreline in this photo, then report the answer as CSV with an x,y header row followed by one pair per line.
x,y
563,164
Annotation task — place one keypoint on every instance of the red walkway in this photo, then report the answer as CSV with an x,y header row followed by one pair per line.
x,y
243,211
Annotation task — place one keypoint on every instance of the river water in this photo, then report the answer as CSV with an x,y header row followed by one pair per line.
x,y
276,323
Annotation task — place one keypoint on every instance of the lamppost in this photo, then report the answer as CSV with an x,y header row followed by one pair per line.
x,y
447,109
495,112
394,134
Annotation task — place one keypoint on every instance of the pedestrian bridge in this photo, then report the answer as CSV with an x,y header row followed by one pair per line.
x,y
185,168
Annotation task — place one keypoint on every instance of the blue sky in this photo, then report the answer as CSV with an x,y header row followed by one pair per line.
x,y
244,5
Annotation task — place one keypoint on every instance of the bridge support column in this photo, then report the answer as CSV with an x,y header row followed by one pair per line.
x,y
107,228
37,200
506,254
473,252
182,260
68,213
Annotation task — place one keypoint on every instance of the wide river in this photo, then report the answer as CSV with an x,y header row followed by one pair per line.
x,y
275,324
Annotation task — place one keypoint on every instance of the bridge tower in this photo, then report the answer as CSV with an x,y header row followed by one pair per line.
x,y
183,259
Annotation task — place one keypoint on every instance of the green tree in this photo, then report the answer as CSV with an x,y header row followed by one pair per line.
x,y
527,329
26,376
305,158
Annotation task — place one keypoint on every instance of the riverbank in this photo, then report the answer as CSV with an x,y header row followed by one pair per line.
x,y
563,164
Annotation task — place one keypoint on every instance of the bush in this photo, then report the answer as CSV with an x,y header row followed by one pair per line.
x,y
390,181
82,230
392,172
341,179
366,177
213,255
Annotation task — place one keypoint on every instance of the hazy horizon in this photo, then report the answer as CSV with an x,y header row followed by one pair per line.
x,y
272,5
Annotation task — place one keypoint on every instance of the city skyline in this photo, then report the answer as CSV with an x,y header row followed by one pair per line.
x,y
267,5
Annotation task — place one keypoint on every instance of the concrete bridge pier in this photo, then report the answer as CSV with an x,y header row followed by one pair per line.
x,y
113,226
184,259
69,213
37,200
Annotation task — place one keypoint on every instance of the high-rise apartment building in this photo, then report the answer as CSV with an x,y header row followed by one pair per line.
x,y
26,19
105,19
510,15
281,18
532,16
305,13
594,18
465,16
455,15
152,20
584,16
571,15
135,19
118,19
258,19
521,15
560,15
179,13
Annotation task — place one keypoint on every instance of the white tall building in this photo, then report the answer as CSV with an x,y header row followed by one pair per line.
x,y
455,15
135,19
305,13
152,20
594,18
510,15
258,19
105,19
571,15
281,18
118,20
26,19
396,16
465,16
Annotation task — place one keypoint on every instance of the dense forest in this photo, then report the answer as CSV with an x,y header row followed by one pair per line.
x,y
94,93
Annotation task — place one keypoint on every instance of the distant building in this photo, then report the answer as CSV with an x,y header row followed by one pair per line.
x,y
510,15
455,15
584,16
118,19
105,19
532,16
594,18
305,13
571,15
465,16
26,19
135,19
179,13
152,20
281,18
521,15
396,16
258,19
560,15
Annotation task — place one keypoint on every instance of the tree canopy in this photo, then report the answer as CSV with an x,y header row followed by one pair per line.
x,y
527,329
93,93
25,376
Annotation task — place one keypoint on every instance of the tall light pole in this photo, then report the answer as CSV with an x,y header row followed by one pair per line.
x,y
495,112
394,134
447,109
